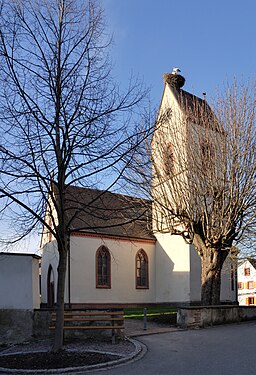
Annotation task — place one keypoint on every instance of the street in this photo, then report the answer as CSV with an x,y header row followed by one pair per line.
x,y
218,350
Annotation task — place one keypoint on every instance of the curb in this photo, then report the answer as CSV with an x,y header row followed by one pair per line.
x,y
139,352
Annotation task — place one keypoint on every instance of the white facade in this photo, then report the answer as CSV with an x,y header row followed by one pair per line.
x,y
176,280
246,278
170,279
83,287
19,281
174,271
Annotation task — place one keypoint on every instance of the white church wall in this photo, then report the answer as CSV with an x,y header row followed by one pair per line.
x,y
123,282
228,286
50,257
83,271
19,281
170,131
172,269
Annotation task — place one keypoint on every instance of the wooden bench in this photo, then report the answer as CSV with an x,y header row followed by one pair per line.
x,y
93,320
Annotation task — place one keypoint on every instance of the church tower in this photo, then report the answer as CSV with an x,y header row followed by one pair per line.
x,y
186,160
188,152
178,266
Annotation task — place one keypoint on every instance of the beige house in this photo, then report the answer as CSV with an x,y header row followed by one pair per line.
x,y
117,260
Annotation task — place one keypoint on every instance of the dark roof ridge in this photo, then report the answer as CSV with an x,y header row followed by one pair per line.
x,y
102,191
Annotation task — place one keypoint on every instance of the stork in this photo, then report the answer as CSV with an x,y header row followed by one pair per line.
x,y
175,71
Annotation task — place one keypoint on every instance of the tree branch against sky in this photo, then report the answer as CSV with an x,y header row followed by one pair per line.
x,y
63,120
204,178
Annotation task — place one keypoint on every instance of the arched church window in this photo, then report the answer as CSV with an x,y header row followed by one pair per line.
x,y
168,160
207,154
103,268
141,270
50,287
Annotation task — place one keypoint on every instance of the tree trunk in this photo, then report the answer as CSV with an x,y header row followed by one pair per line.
x,y
212,260
62,267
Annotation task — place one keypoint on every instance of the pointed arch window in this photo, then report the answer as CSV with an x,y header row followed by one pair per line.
x,y
168,160
50,287
103,268
207,154
141,270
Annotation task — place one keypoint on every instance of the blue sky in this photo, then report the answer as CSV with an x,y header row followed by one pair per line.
x,y
210,41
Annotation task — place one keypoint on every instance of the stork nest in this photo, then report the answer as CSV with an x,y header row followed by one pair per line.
x,y
174,80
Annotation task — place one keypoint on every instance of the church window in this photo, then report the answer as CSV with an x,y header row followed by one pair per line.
x,y
103,268
49,232
141,270
169,160
168,113
207,154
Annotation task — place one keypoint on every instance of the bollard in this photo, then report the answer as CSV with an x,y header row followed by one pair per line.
x,y
145,318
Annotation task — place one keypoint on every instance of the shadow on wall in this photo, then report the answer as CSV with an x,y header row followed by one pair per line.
x,y
171,285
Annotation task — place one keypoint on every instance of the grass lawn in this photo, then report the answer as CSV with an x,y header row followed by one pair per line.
x,y
158,314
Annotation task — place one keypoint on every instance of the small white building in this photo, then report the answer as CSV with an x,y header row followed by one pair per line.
x,y
246,282
19,281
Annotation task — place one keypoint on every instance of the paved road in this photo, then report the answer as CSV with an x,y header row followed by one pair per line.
x,y
219,350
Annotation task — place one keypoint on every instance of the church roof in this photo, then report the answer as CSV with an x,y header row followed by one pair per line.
x,y
196,110
102,212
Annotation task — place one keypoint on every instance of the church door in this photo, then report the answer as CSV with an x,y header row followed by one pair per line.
x,y
50,287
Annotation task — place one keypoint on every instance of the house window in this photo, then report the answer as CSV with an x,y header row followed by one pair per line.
x,y
103,265
141,270
250,300
168,158
247,272
250,285
240,285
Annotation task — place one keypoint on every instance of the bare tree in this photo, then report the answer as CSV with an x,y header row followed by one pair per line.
x,y
200,174
63,121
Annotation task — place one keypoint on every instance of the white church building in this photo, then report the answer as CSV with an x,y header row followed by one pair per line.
x,y
133,263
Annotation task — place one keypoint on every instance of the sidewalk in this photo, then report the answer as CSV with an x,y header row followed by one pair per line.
x,y
135,327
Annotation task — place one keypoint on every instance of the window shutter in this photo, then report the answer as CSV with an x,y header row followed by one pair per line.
x,y
247,301
254,284
242,285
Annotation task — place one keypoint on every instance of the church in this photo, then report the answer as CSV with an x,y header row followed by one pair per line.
x,y
127,255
